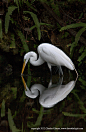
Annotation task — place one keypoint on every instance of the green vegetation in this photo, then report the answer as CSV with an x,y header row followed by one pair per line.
x,y
10,118
39,119
0,29
37,25
11,122
23,26
11,21
3,108
22,38
82,49
7,17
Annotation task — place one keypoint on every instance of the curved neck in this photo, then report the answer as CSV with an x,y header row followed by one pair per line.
x,y
33,59
36,62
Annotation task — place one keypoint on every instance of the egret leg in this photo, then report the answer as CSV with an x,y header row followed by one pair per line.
x,y
51,73
50,69
69,74
60,80
60,71
54,69
57,68
50,83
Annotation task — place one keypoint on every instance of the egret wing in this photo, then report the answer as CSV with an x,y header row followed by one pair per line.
x,y
62,59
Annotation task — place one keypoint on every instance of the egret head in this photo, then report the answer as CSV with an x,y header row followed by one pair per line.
x,y
30,56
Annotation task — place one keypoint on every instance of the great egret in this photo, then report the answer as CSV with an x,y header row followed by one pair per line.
x,y
51,95
50,54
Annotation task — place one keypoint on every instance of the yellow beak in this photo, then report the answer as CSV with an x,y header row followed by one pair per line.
x,y
23,67
24,82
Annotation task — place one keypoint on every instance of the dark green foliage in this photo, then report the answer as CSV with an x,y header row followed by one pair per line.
x,y
0,28
29,5
27,16
83,55
3,108
77,37
7,17
82,81
12,45
73,26
11,122
37,24
71,1
54,5
39,119
81,106
22,38
34,16
73,115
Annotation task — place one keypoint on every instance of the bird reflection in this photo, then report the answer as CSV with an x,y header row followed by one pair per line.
x,y
51,95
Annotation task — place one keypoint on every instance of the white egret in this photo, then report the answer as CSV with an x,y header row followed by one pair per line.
x,y
51,95
50,54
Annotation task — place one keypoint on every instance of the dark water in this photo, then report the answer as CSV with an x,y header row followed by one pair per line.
x,y
40,102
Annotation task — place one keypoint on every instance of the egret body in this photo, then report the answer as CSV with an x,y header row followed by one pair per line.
x,y
50,54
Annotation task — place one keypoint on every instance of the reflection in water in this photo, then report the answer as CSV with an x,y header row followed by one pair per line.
x,y
51,95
